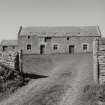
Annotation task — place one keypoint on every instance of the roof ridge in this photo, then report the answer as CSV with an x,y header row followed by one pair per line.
x,y
73,30
56,26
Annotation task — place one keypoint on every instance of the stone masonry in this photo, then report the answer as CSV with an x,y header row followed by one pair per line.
x,y
99,60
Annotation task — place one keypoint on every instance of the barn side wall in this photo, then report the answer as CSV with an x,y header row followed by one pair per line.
x,y
62,42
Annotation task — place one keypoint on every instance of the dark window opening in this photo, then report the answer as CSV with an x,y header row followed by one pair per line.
x,y
42,49
47,39
13,47
43,33
5,48
71,49
85,46
67,33
28,37
28,47
67,38
55,47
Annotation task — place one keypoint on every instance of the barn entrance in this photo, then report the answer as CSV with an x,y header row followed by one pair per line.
x,y
71,49
42,49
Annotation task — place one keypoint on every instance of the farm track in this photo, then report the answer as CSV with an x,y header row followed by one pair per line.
x,y
62,87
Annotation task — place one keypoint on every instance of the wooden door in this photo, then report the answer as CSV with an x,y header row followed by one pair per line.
x,y
42,49
71,49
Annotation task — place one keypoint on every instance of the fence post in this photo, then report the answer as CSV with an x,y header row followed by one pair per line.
x,y
95,61
98,69
20,61
16,62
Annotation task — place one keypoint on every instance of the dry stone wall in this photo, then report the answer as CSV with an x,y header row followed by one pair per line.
x,y
99,60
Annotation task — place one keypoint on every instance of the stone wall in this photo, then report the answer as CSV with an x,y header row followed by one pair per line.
x,y
23,41
62,42
99,60
9,48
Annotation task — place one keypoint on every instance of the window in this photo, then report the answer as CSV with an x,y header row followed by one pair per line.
x,y
85,46
55,47
28,37
43,33
13,47
47,39
67,38
28,47
5,48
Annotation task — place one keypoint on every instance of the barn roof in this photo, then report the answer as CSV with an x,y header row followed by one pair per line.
x,y
61,31
9,42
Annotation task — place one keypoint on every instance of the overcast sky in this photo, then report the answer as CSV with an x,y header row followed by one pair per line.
x,y
14,13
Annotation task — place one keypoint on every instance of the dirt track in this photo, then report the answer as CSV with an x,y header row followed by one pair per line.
x,y
63,87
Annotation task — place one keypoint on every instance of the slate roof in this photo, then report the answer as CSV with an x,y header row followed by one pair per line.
x,y
9,42
61,31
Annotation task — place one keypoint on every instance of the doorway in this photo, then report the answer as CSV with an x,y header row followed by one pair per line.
x,y
42,49
71,49
4,48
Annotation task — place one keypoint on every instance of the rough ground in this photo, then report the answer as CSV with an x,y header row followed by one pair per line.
x,y
63,86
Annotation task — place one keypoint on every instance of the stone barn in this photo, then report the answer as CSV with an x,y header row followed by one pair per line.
x,y
50,40
8,45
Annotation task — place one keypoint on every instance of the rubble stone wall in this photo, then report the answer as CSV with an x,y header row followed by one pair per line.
x,y
99,60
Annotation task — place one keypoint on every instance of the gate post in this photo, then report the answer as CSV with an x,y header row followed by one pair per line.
x,y
20,61
95,61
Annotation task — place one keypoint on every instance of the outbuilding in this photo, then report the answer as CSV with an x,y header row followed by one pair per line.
x,y
8,45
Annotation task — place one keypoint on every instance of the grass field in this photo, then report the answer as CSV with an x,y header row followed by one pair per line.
x,y
68,75
44,64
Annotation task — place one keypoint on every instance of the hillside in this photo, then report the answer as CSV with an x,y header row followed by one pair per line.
x,y
63,86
